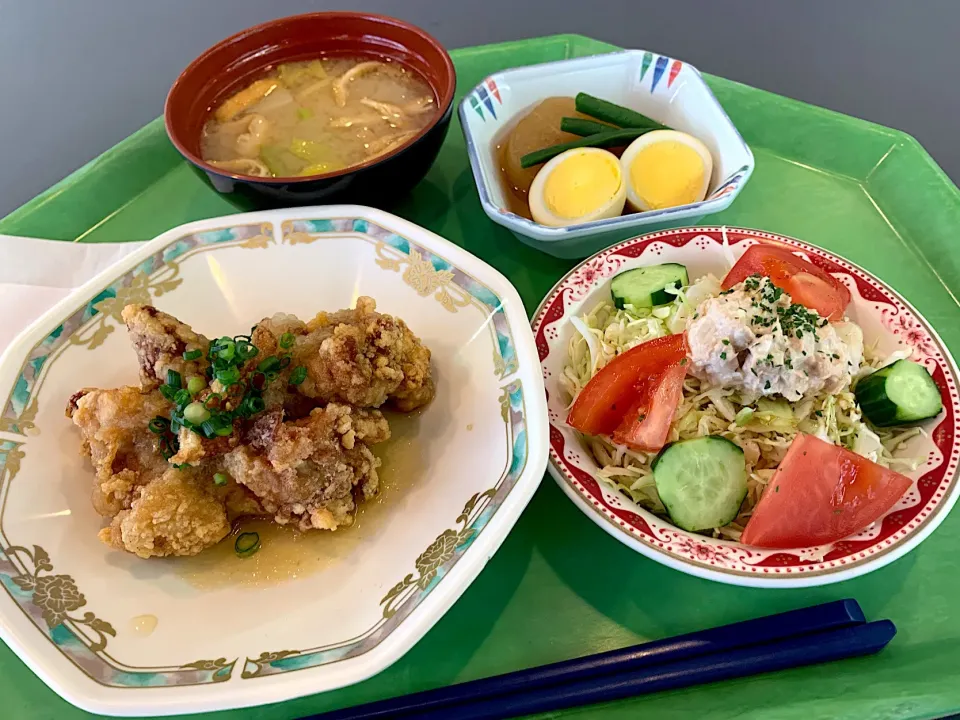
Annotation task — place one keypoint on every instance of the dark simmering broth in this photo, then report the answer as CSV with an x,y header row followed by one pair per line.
x,y
318,116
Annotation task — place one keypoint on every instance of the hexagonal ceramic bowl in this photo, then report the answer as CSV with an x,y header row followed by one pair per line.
x,y
667,90
119,635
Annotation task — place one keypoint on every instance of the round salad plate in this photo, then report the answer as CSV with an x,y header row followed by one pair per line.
x,y
886,319
119,635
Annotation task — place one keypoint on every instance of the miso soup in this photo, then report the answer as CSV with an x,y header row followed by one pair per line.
x,y
318,116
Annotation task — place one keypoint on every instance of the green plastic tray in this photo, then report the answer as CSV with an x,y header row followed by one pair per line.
x,y
560,587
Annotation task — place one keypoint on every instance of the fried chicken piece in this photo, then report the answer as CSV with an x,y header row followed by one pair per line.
x,y
176,514
160,340
124,452
195,448
155,508
308,471
359,356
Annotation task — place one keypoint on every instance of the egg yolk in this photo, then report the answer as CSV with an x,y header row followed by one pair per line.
x,y
582,184
667,174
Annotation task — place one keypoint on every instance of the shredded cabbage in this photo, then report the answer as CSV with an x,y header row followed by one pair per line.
x,y
764,428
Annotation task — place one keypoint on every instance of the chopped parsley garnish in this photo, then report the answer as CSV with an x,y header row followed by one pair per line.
x,y
723,355
725,341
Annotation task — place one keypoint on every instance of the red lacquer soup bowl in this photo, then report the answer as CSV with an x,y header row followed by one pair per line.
x,y
237,61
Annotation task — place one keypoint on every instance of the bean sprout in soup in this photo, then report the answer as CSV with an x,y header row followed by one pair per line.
x,y
319,116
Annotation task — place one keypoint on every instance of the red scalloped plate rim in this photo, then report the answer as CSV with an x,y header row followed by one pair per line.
x,y
900,531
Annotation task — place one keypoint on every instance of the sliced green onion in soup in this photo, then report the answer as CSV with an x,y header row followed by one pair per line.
x,y
247,544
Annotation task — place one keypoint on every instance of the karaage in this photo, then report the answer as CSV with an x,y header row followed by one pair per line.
x,y
279,422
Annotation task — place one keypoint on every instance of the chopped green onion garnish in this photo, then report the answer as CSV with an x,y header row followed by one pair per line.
x,y
159,425
268,364
182,397
196,413
245,350
192,355
195,384
167,448
227,350
169,392
174,380
219,479
247,544
287,340
224,431
212,402
285,362
228,376
298,375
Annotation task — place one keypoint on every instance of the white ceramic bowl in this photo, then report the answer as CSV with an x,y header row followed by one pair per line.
x,y
885,317
667,90
227,634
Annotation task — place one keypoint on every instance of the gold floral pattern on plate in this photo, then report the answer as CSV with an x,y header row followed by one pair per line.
x,y
11,455
436,555
139,291
25,423
222,670
264,659
422,276
57,596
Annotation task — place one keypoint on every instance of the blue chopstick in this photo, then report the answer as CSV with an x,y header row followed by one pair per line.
x,y
754,660
819,618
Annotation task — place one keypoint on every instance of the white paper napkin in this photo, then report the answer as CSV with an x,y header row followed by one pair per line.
x,y
36,274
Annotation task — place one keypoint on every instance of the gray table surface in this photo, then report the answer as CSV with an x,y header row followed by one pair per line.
x,y
77,76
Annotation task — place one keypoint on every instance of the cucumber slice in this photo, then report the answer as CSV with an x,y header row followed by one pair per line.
x,y
646,286
899,394
702,482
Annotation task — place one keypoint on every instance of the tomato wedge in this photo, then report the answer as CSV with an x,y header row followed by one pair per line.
x,y
602,404
819,494
806,283
647,424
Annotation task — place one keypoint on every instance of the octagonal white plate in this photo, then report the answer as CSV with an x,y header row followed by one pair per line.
x,y
119,635
886,318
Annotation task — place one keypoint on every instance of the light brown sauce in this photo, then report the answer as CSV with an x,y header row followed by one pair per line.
x,y
143,625
286,553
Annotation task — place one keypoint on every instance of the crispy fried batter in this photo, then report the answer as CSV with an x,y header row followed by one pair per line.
x,y
156,509
160,341
124,453
176,514
306,459
359,356
307,471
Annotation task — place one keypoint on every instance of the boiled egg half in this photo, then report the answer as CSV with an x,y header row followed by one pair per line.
x,y
666,168
578,186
